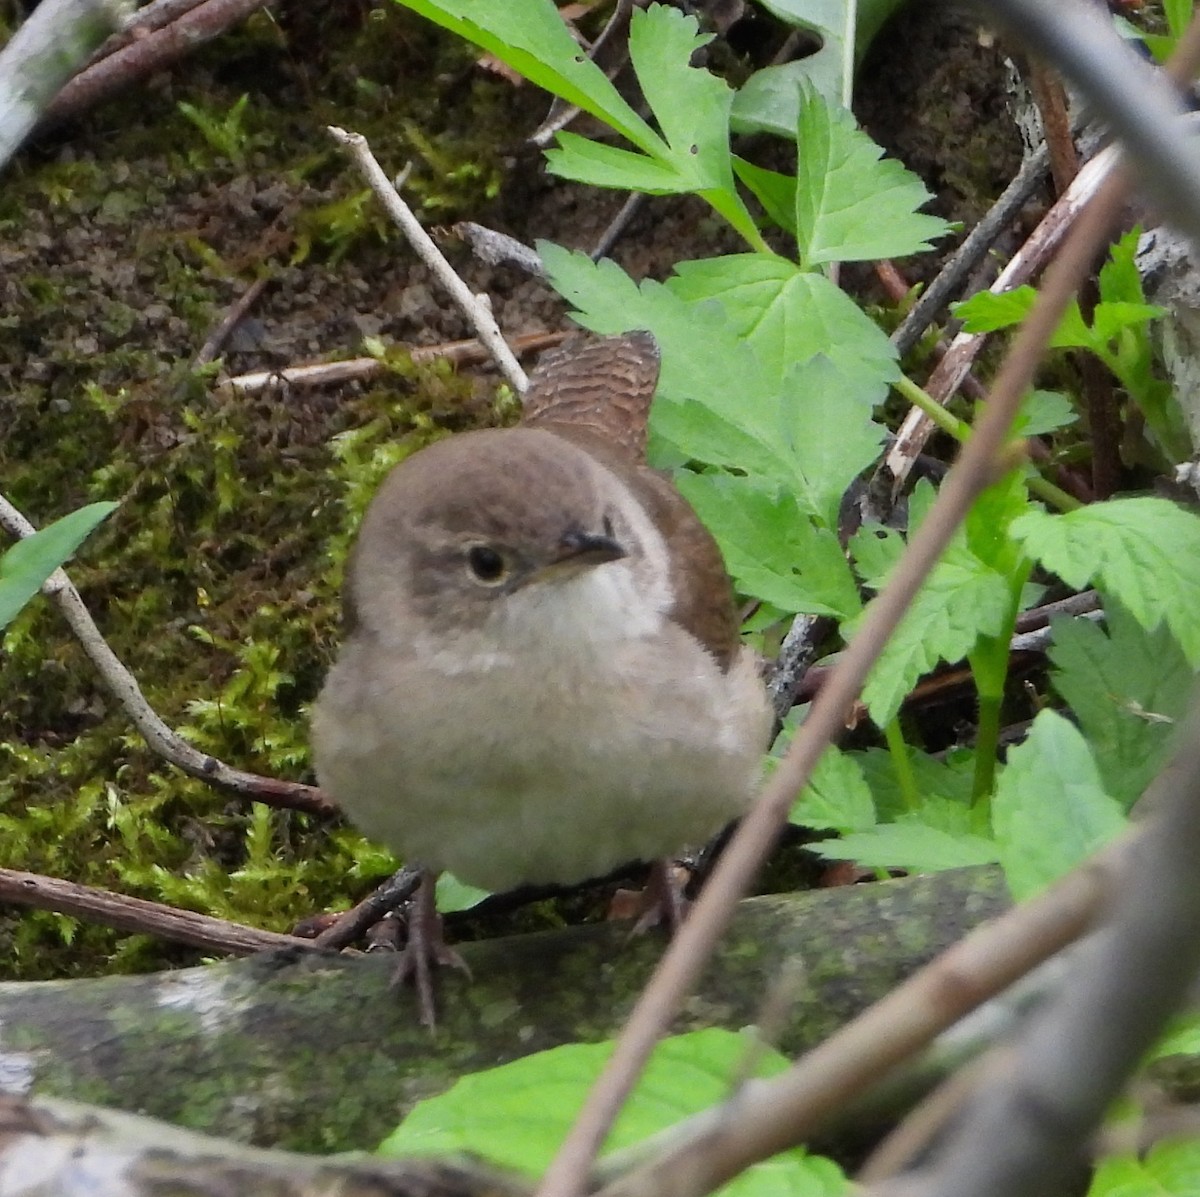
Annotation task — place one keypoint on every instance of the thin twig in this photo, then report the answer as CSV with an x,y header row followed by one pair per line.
x,y
1051,100
965,347
793,660
768,1116
612,233
968,255
477,312
43,54
147,55
121,684
212,347
142,917
499,249
462,353
349,926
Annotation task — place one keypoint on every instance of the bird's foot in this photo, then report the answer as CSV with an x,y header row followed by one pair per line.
x,y
425,948
662,902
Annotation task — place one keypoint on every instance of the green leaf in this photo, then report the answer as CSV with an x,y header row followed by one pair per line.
x,y
1145,552
771,97
944,783
515,1116
775,191
728,394
962,600
1128,689
532,39
1120,279
1182,1037
909,845
789,315
1171,1168
852,204
31,561
772,551
453,894
837,797
1042,412
600,165
831,434
1050,810
692,107
876,550
987,312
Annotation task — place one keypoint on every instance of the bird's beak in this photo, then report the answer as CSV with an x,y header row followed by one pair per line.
x,y
587,548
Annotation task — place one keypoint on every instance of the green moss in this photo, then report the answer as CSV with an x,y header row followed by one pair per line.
x,y
216,581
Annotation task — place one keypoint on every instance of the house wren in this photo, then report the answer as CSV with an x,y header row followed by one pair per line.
x,y
542,677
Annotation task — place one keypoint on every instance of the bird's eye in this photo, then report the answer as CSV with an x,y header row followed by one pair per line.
x,y
486,565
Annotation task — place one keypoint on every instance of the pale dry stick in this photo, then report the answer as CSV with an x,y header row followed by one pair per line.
x,y
43,54
122,685
142,917
477,312
462,353
979,463
771,1115
965,347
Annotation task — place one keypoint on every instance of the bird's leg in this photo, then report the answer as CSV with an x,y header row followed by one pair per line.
x,y
662,900
426,945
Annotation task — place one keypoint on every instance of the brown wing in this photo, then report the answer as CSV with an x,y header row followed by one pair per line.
x,y
599,385
704,603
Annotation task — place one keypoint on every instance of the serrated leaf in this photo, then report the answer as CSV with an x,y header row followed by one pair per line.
x,y
1145,552
532,39
1042,412
769,100
29,562
1050,810
852,204
789,315
516,1115
1127,688
601,165
691,104
943,782
771,549
837,797
714,401
876,551
962,600
1120,280
731,399
987,312
909,845
832,437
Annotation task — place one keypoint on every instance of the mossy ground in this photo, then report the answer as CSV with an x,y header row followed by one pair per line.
x,y
121,245
123,241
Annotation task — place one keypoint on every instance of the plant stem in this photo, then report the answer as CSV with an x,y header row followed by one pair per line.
x,y
898,751
961,430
